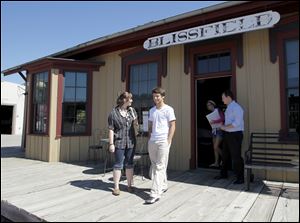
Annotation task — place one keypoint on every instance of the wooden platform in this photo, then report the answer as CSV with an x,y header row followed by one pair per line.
x,y
37,191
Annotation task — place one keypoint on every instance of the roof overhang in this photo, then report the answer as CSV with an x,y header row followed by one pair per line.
x,y
52,63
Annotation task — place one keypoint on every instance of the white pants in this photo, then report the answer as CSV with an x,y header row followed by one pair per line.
x,y
159,156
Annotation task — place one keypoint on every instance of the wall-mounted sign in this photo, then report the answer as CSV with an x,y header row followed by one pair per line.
x,y
242,24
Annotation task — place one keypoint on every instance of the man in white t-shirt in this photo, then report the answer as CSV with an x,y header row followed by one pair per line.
x,y
161,131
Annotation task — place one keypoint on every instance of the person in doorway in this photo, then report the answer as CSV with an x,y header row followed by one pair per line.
x,y
122,139
233,136
161,131
216,132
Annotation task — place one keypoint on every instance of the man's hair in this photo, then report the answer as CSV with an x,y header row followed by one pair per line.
x,y
228,93
159,90
122,96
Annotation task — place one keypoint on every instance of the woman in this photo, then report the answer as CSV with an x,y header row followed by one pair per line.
x,y
216,132
122,139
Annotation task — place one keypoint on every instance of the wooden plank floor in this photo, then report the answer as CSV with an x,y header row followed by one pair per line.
x,y
38,191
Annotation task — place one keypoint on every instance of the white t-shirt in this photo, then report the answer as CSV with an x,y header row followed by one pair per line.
x,y
161,119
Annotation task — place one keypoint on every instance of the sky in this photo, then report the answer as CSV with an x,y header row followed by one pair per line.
x,y
31,30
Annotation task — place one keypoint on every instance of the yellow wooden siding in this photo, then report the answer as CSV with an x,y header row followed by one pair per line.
x,y
28,147
37,147
106,87
83,146
177,85
74,149
64,149
259,93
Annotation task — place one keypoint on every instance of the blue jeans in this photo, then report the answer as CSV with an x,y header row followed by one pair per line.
x,y
123,157
217,133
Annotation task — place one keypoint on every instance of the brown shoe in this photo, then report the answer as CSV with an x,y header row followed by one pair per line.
x,y
130,189
116,192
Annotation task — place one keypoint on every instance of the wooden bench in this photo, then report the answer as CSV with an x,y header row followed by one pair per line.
x,y
267,152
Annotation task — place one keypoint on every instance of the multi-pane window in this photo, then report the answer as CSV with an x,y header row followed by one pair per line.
x,y
292,83
40,102
213,63
143,78
75,103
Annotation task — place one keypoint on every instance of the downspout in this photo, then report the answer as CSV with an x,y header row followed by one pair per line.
x,y
23,141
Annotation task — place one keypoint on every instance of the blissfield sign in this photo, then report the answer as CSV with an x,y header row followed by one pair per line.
x,y
228,27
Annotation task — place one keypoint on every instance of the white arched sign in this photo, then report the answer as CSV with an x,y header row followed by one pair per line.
x,y
242,24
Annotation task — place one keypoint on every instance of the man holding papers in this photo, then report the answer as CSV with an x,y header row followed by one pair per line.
x,y
233,137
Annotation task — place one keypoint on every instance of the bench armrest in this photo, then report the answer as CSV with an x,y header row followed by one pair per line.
x,y
248,155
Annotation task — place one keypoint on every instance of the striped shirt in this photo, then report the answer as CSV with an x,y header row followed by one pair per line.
x,y
123,127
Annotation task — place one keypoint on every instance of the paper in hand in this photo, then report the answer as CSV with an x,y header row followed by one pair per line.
x,y
214,116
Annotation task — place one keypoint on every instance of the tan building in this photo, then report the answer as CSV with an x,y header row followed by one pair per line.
x,y
72,92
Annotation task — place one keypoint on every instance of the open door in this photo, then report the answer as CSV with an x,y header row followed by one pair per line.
x,y
207,89
6,119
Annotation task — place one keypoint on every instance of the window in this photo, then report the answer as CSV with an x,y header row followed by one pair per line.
x,y
143,78
75,103
284,46
291,47
213,63
40,102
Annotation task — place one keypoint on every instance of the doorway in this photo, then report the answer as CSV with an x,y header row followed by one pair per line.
x,y
207,89
6,119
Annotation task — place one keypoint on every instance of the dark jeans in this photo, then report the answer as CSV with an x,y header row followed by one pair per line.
x,y
232,146
124,157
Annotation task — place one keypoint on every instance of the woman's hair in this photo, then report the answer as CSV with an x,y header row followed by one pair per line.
x,y
124,95
211,102
159,90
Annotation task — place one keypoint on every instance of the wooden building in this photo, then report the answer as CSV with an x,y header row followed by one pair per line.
x,y
70,93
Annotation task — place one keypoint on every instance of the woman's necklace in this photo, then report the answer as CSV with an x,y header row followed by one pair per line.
x,y
123,112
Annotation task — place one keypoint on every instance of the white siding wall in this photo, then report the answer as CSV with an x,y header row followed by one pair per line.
x,y
12,95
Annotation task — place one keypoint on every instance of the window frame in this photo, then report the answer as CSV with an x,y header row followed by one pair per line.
x,y
32,104
139,56
212,74
128,78
282,37
55,67
87,103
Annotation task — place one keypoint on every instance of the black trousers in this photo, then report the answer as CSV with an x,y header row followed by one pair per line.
x,y
232,146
